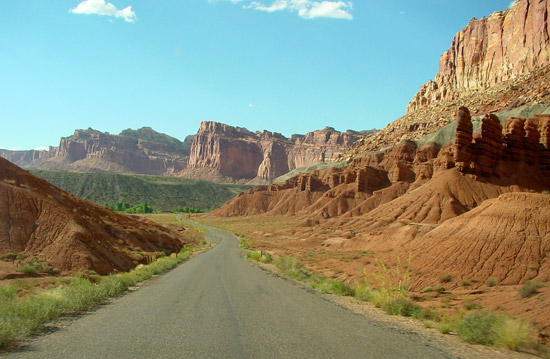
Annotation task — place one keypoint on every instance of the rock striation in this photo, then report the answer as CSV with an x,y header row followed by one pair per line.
x,y
39,220
491,50
237,153
143,151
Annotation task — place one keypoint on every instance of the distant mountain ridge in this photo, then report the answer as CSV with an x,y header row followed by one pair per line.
x,y
218,152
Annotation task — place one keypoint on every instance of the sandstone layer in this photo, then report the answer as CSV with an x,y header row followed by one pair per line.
x,y
143,151
403,198
239,154
38,220
494,64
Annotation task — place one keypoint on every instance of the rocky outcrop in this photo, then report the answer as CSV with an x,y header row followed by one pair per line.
x,y
39,220
515,154
260,157
495,64
94,151
490,50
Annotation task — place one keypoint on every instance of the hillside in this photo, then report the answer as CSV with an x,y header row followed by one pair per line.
x,y
39,221
162,193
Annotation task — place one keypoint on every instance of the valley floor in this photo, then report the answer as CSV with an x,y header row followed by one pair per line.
x,y
321,250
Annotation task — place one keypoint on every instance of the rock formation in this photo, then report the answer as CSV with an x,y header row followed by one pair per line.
x,y
495,64
490,50
94,151
237,153
38,220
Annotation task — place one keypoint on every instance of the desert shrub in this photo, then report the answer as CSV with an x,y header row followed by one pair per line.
x,y
491,282
471,305
478,328
401,306
9,257
259,256
465,283
362,290
439,289
428,289
340,288
446,326
513,333
291,267
244,242
20,318
431,314
28,268
445,278
530,288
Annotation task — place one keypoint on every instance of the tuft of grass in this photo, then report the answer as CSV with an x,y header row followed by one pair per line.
x,y
291,267
363,290
491,282
446,326
259,256
445,278
402,306
513,333
478,328
22,317
471,305
530,288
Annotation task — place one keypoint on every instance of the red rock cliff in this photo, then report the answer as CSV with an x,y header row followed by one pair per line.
x,y
239,154
94,151
490,50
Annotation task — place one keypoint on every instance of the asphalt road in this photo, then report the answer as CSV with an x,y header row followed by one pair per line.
x,y
217,305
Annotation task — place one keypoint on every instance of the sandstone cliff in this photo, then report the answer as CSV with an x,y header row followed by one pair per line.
x,y
38,220
143,151
223,151
494,64
410,198
490,50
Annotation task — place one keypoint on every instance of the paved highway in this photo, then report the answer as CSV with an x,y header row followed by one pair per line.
x,y
217,305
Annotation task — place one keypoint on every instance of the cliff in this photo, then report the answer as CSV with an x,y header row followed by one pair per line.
x,y
234,153
491,50
494,64
143,151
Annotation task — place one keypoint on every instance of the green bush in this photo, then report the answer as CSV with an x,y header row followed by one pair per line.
x,y
530,288
491,282
363,291
20,318
292,268
9,257
478,328
471,305
259,256
402,306
445,278
446,326
513,333
28,268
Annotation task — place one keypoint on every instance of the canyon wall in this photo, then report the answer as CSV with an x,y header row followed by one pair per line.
x,y
491,50
260,157
94,151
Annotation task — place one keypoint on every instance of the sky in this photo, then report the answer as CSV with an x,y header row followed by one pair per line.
x,y
288,66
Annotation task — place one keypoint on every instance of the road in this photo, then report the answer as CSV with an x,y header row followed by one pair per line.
x,y
218,305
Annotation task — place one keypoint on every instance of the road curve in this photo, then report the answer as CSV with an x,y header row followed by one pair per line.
x,y
218,305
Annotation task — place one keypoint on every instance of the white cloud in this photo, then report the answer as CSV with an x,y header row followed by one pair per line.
x,y
100,7
512,4
307,9
42,148
250,105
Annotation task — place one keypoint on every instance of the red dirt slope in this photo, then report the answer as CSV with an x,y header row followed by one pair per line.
x,y
38,219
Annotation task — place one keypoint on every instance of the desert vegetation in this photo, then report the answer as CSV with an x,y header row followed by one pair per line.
x,y
22,314
160,193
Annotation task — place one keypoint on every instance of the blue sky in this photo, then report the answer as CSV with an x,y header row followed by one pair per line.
x,y
289,66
